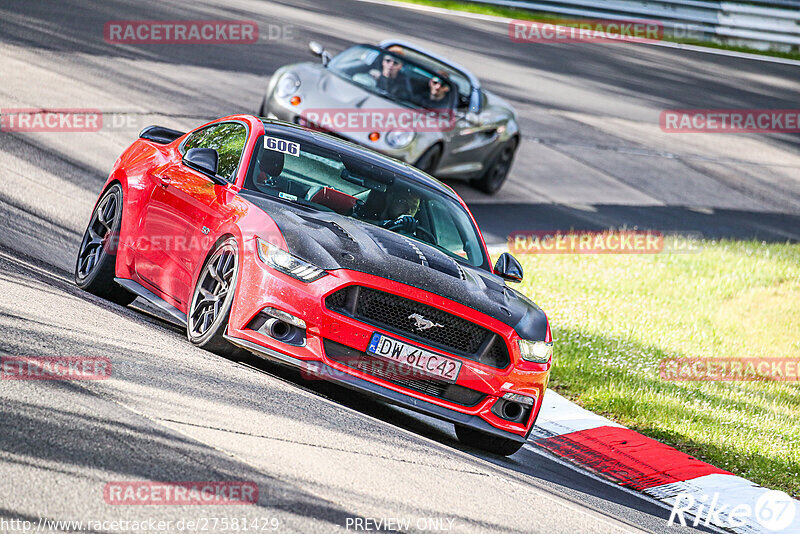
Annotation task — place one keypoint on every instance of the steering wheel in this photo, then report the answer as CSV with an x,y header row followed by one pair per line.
x,y
409,225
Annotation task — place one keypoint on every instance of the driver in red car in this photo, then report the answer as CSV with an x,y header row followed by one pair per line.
x,y
401,212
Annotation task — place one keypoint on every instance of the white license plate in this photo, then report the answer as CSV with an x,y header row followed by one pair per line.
x,y
417,359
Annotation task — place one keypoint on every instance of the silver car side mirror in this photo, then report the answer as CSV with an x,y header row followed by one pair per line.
x,y
315,48
318,50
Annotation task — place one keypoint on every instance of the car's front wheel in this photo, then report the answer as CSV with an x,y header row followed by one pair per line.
x,y
429,160
95,267
498,168
210,307
487,442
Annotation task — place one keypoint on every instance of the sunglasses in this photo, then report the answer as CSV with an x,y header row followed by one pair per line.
x,y
391,61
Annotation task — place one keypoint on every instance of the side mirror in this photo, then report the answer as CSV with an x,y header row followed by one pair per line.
x,y
205,160
318,50
475,100
508,268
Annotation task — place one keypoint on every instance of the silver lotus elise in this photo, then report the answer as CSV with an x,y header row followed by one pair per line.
x,y
405,102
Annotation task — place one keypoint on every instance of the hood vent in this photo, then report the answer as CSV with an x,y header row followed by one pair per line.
x,y
341,232
415,252
422,259
330,225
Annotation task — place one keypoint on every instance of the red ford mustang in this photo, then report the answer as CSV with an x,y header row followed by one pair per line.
x,y
314,252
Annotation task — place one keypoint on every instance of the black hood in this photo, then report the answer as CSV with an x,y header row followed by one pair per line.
x,y
331,241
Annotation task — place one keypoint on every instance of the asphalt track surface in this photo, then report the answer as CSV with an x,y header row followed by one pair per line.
x,y
592,157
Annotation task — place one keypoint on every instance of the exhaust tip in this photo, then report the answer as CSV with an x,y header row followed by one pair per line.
x,y
512,411
281,327
278,329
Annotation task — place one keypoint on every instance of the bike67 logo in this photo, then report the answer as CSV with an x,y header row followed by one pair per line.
x,y
774,511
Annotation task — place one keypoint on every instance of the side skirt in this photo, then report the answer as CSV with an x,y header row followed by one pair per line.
x,y
137,289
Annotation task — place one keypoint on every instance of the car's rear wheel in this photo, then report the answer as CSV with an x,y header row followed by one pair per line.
x,y
487,442
262,111
95,267
429,160
498,168
210,307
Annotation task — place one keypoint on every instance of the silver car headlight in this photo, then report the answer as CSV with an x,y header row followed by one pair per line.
x,y
399,139
287,263
536,351
287,85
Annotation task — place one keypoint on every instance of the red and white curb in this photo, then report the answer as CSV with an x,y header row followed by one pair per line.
x,y
705,494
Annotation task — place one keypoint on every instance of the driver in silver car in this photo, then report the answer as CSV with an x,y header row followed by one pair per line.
x,y
390,80
438,96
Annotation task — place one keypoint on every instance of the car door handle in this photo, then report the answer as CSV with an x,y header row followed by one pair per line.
x,y
161,177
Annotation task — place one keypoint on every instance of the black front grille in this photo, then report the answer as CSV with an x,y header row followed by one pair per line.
x,y
394,313
400,375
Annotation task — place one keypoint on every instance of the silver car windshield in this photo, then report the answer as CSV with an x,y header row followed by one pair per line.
x,y
332,181
395,77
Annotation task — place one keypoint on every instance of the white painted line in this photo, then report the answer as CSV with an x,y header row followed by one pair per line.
x,y
663,44
561,416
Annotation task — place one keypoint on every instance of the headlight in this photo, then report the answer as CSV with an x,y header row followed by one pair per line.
x,y
536,351
398,139
287,263
287,85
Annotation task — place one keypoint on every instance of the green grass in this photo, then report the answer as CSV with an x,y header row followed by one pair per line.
x,y
614,317
521,14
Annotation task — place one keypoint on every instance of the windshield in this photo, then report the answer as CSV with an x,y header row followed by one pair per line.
x,y
336,181
392,75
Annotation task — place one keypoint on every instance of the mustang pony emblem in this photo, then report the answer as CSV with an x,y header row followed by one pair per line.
x,y
421,323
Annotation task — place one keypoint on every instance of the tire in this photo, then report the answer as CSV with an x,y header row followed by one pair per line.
x,y
487,442
95,267
262,111
429,160
210,307
498,168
